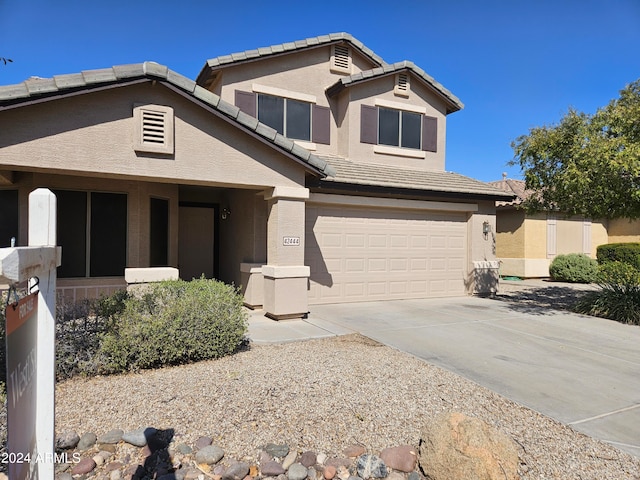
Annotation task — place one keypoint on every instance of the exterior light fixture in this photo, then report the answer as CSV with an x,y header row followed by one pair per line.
x,y
486,228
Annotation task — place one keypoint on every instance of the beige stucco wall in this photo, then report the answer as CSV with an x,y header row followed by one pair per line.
x,y
622,230
510,233
307,72
600,235
138,205
535,235
365,94
92,134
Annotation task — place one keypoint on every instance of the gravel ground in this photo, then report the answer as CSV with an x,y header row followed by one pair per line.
x,y
325,395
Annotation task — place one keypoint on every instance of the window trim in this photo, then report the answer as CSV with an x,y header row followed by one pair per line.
x,y
285,113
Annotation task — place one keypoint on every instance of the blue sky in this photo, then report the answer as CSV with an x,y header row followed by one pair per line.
x,y
515,64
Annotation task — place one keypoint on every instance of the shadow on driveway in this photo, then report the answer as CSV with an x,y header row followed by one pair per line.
x,y
537,300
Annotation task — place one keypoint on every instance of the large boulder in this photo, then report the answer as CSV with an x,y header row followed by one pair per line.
x,y
456,447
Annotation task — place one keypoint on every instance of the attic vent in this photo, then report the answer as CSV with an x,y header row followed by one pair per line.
x,y
340,59
402,84
153,129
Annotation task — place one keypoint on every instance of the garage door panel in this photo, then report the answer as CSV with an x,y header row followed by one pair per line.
x,y
377,254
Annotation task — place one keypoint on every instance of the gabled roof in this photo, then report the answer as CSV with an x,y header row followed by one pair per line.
x,y
515,187
35,90
454,103
284,48
408,179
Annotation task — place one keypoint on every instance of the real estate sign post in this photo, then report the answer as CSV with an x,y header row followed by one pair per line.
x,y
31,343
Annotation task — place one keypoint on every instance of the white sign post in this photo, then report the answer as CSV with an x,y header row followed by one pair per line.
x,y
38,263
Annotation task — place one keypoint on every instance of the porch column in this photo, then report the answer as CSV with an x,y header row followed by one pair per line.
x,y
285,275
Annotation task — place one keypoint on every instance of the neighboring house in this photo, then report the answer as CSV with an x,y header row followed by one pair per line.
x,y
526,244
307,172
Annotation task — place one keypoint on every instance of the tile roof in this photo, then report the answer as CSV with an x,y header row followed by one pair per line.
x,y
515,187
389,69
35,89
223,60
359,173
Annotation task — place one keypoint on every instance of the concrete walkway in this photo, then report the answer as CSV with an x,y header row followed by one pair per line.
x,y
582,371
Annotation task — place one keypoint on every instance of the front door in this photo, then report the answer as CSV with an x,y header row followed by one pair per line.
x,y
197,233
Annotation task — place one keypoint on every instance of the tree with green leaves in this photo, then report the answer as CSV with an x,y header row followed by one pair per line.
x,y
587,164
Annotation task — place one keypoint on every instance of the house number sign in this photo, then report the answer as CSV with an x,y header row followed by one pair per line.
x,y
291,241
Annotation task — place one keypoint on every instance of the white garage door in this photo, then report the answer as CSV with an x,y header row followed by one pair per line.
x,y
363,254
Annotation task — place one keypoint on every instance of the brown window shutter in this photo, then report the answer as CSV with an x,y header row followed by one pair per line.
x,y
246,102
368,124
321,125
429,134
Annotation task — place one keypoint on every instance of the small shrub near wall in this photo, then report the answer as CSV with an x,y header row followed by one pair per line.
x,y
619,252
574,268
174,322
619,296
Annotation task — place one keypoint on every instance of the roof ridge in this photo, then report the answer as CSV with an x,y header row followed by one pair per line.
x,y
388,69
292,46
34,88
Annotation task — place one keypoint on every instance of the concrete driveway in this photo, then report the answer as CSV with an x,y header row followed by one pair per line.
x,y
582,371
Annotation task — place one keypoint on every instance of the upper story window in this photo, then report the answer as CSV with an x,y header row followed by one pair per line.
x,y
289,117
405,129
399,129
296,118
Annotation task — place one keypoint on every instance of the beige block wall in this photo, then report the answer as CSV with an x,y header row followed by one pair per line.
x,y
92,134
600,236
622,230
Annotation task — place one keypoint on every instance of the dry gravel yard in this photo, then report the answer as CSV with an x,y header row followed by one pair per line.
x,y
324,395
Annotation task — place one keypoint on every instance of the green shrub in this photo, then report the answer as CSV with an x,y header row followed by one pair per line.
x,y
574,268
174,322
619,252
619,294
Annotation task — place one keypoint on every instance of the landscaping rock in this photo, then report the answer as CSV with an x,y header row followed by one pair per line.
x,y
297,471
138,438
210,454
87,441
371,466
456,447
274,450
354,451
329,472
402,458
271,469
203,442
237,471
67,440
289,459
111,437
184,449
83,467
308,458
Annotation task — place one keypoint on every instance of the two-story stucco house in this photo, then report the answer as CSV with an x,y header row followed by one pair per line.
x,y
307,172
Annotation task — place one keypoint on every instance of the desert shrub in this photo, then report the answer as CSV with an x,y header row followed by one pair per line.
x,y
80,327
619,252
174,322
619,294
574,268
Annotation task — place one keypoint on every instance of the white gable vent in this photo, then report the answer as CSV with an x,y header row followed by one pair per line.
x,y
402,84
153,129
340,59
